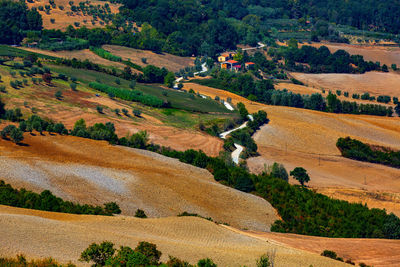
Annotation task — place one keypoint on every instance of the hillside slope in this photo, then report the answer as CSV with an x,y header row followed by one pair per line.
x,y
95,172
299,137
40,234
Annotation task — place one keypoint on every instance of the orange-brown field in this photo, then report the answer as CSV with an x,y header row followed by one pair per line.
x,y
298,137
95,172
63,20
171,62
375,83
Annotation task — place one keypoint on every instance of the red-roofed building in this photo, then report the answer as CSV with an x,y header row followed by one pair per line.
x,y
236,67
249,65
229,64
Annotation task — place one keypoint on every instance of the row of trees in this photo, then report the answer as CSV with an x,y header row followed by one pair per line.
x,y
130,95
321,60
47,201
354,149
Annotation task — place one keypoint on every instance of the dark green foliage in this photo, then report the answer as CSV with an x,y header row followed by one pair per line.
x,y
137,112
321,60
354,149
73,86
99,254
206,263
150,251
58,95
99,109
140,214
12,132
14,115
16,135
67,44
105,54
44,201
300,174
330,254
112,208
383,99
15,19
130,95
278,171
263,261
98,131
242,111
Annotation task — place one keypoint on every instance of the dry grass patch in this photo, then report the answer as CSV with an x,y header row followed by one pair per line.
x,y
41,233
375,83
63,20
171,62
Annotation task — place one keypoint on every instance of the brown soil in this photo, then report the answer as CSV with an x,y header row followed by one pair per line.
x,y
62,20
171,62
95,172
40,234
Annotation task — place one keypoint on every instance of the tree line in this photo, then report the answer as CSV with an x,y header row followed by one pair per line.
x,y
355,149
23,198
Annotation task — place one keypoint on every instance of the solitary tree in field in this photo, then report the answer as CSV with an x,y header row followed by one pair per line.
x,y
16,135
300,174
58,95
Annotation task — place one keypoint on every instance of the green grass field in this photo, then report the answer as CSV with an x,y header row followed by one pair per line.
x,y
178,100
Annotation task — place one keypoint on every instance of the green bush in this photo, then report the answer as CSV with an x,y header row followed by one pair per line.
x,y
130,95
140,214
105,54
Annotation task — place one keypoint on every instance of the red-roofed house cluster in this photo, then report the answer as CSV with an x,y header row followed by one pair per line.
x,y
227,62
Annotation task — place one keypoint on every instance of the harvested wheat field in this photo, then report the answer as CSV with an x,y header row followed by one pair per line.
x,y
171,62
78,54
374,252
64,236
385,55
62,19
95,172
299,137
375,83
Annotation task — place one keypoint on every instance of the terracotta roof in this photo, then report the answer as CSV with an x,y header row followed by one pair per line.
x,y
232,61
237,66
250,63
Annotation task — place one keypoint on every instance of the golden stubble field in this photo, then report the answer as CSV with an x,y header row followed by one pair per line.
x,y
40,234
299,137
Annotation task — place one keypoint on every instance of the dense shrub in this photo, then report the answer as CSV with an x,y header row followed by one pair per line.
x,y
130,95
354,149
105,54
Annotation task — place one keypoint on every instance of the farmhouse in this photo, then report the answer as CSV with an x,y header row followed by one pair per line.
x,y
226,56
229,64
